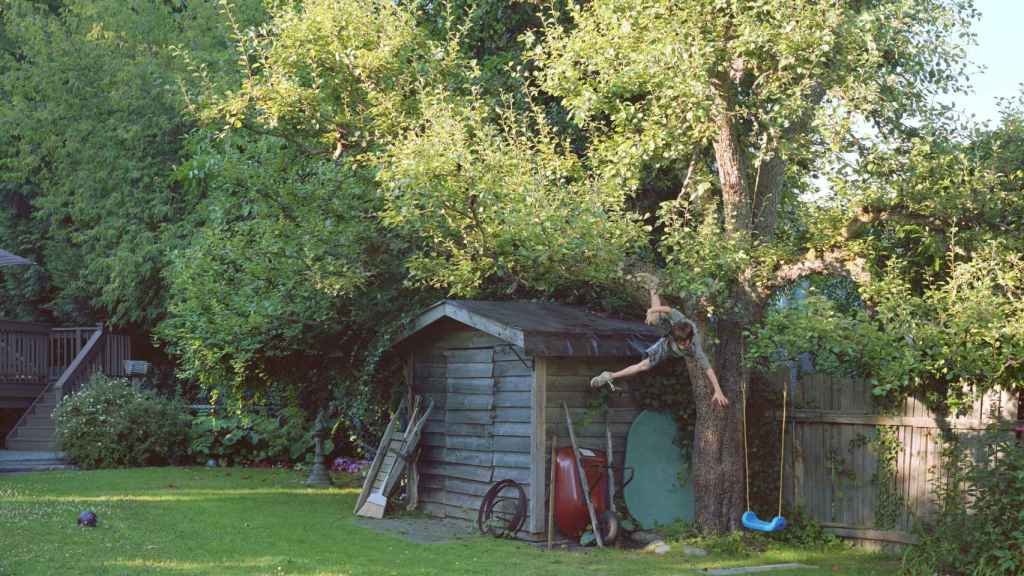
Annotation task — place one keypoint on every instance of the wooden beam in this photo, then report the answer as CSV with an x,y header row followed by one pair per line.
x,y
414,476
496,329
538,453
820,416
846,531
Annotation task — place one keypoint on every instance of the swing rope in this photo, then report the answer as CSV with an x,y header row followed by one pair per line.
x,y
746,459
782,447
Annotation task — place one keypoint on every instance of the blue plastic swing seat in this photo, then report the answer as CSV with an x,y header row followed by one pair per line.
x,y
752,522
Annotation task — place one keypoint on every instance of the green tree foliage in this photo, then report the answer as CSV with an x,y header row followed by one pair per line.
x,y
743,103
278,185
289,280
939,218
91,129
495,201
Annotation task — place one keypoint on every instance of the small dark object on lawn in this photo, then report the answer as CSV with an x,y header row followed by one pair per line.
x,y
87,519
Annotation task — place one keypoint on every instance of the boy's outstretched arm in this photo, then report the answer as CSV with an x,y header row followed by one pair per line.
x,y
610,377
718,398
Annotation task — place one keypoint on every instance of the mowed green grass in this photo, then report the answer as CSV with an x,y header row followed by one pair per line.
x,y
240,521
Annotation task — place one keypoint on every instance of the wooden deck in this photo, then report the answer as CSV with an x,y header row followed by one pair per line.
x,y
40,364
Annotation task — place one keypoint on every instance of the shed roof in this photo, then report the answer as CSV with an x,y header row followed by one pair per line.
x,y
8,259
543,328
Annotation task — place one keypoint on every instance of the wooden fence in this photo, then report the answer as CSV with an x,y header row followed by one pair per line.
x,y
867,475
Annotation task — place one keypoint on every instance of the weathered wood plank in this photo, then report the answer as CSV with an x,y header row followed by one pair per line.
x,y
513,383
874,419
431,495
468,386
512,460
470,370
466,501
468,417
482,430
535,459
456,401
509,353
435,509
869,534
512,368
467,487
588,367
512,429
464,471
614,415
469,443
431,481
521,475
455,456
505,333
512,399
512,415
582,397
469,355
512,444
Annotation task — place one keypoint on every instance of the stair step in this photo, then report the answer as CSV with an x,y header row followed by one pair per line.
x,y
42,434
33,445
36,420
16,467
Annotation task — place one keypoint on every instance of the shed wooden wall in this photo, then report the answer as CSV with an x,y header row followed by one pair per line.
x,y
480,429
495,409
568,380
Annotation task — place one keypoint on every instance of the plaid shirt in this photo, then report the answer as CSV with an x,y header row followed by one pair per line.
x,y
666,347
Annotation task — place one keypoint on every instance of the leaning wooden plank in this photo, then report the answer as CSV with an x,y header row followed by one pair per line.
x,y
405,451
376,502
378,459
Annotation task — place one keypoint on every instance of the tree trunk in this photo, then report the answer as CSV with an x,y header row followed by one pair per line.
x,y
719,480
718,466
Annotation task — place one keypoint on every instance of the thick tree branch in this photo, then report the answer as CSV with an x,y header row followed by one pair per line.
x,y
836,262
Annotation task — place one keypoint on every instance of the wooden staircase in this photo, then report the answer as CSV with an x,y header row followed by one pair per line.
x,y
69,356
36,431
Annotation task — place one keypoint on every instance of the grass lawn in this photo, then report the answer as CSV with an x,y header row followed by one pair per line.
x,y
246,521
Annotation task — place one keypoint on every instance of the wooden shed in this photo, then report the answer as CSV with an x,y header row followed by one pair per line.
x,y
498,373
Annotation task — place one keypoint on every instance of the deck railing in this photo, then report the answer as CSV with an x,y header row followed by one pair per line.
x,y
85,363
24,358
33,354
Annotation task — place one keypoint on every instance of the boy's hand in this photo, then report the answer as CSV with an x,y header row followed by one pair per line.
x,y
652,317
602,379
720,399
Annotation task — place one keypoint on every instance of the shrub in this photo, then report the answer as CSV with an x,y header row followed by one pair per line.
x,y
253,438
109,424
979,529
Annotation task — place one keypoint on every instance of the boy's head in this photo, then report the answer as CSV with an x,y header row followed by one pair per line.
x,y
682,333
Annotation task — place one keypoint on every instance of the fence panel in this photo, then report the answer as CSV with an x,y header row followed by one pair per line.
x,y
864,474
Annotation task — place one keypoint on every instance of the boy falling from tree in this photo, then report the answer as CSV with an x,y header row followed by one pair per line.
x,y
682,341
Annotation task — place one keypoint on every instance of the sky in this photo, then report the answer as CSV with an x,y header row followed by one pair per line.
x,y
999,33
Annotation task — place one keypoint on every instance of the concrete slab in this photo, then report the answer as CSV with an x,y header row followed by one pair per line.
x,y
421,530
754,569
14,461
21,456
